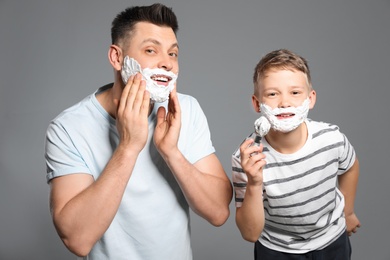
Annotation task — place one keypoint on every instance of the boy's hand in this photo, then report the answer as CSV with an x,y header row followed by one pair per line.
x,y
252,162
353,223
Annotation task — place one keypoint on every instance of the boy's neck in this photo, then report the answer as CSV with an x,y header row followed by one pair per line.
x,y
288,143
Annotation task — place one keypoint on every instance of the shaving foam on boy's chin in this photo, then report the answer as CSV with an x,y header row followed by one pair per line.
x,y
158,93
268,118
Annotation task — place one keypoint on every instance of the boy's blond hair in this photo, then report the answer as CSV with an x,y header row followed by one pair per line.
x,y
280,59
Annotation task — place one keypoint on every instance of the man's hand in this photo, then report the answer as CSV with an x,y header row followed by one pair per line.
x,y
132,114
166,134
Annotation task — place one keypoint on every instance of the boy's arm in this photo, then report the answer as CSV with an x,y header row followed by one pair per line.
x,y
348,185
250,216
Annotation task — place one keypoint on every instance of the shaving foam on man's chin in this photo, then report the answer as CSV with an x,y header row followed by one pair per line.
x,y
158,93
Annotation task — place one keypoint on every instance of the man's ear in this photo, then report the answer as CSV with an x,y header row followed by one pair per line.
x,y
115,57
312,98
255,103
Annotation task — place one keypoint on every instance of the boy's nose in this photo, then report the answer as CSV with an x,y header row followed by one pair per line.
x,y
284,102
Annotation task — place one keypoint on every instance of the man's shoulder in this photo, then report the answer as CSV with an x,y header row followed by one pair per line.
x,y
83,108
81,114
188,103
186,98
74,111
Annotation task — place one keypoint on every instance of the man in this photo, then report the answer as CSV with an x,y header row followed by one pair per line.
x,y
124,169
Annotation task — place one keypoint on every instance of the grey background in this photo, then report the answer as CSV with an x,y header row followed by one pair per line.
x,y
54,53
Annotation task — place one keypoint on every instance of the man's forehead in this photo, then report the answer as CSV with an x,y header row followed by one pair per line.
x,y
147,29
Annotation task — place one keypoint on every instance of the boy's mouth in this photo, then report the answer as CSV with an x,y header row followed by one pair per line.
x,y
285,115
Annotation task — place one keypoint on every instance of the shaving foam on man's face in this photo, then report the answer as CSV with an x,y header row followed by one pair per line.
x,y
159,82
281,119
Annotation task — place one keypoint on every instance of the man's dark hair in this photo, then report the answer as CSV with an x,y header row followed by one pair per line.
x,y
157,14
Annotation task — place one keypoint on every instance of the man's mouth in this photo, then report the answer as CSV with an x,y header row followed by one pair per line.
x,y
161,79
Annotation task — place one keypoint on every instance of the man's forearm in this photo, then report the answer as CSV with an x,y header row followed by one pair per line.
x,y
207,189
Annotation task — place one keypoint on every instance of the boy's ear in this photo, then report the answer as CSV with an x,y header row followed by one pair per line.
x,y
312,98
255,103
115,57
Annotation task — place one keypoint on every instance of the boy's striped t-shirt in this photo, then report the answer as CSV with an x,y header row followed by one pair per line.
x,y
302,205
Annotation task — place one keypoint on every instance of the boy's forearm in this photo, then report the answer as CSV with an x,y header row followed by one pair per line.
x,y
348,185
250,216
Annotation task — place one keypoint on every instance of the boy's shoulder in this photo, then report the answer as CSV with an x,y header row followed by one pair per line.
x,y
320,125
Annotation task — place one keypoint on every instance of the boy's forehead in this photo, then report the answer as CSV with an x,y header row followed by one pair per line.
x,y
286,74
283,77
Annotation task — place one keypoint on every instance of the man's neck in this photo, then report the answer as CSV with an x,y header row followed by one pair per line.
x,y
110,98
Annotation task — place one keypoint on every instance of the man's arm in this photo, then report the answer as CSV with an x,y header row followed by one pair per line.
x,y
76,199
348,185
205,184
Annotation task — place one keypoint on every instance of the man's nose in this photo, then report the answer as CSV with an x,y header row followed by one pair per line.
x,y
165,62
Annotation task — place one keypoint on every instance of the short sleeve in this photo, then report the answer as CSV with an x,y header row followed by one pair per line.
x,y
61,155
347,156
197,132
239,179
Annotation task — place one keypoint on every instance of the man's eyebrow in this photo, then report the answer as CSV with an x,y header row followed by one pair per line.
x,y
156,42
152,41
175,45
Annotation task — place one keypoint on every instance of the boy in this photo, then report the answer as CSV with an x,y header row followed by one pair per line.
x,y
295,179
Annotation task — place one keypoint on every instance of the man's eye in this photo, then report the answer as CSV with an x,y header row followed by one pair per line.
x,y
149,51
173,54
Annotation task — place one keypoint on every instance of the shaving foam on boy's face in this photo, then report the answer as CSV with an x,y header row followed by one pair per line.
x,y
281,119
158,92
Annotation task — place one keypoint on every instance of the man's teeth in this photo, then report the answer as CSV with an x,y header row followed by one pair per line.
x,y
161,79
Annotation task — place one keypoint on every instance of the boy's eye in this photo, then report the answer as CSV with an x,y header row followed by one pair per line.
x,y
149,50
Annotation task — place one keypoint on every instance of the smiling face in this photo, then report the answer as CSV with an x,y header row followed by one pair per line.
x,y
283,97
153,51
283,88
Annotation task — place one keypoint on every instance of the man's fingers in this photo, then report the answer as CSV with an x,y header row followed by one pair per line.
x,y
134,97
144,110
138,95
